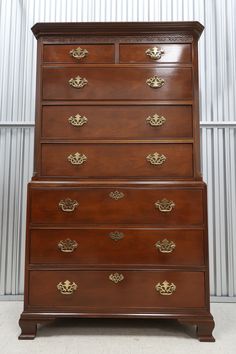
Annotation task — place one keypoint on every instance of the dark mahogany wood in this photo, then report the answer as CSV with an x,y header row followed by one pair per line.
x,y
136,290
115,160
173,53
96,53
205,328
117,122
28,329
136,246
117,83
116,140
136,207
173,31
204,331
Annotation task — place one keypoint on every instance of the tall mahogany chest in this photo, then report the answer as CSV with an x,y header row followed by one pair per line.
x,y
117,210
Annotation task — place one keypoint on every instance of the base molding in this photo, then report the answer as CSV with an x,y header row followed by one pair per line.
x,y
204,322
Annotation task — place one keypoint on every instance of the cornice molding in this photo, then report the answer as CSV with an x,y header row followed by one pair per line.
x,y
116,28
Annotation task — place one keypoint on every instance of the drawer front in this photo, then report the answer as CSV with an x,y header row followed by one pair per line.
x,y
115,160
137,289
155,53
117,246
116,83
79,53
114,206
117,122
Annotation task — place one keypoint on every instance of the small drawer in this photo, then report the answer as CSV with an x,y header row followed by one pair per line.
x,y
103,290
117,122
78,53
120,246
116,205
115,160
155,53
117,83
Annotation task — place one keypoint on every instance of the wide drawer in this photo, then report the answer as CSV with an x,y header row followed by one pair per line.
x,y
116,289
117,160
117,205
116,83
117,246
155,53
79,53
117,122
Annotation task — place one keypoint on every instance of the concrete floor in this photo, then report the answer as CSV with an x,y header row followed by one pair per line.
x,y
95,336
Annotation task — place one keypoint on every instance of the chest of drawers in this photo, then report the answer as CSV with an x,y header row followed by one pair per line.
x,y
117,210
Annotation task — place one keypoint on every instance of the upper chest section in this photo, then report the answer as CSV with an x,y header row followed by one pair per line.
x,y
118,43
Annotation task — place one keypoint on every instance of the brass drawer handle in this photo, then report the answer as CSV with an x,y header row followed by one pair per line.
x,y
77,158
165,205
156,158
155,53
156,120
165,288
67,245
116,235
78,53
165,246
78,82
67,288
155,82
77,120
68,205
116,195
116,277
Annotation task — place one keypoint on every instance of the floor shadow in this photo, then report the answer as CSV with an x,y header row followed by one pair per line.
x,y
116,327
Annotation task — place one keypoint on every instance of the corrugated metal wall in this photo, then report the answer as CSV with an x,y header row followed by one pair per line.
x,y
218,117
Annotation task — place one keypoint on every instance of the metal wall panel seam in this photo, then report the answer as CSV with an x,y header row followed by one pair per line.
x,y
5,199
217,213
233,206
232,209
231,124
213,299
211,209
228,167
11,211
25,124
17,195
222,209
